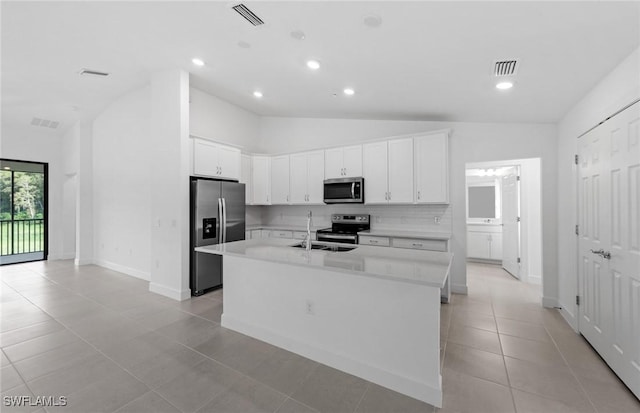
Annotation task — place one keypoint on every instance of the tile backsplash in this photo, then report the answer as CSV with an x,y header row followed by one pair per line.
x,y
399,217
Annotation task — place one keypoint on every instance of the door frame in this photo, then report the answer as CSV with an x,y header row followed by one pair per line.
x,y
537,255
45,207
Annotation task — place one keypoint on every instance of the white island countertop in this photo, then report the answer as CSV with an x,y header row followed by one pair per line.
x,y
406,234
404,265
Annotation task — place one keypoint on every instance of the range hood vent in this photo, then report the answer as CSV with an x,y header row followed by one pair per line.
x,y
45,123
506,67
250,16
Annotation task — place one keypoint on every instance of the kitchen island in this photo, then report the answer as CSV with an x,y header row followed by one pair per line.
x,y
372,312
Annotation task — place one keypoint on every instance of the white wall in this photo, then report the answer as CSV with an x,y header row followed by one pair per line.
x,y
213,118
122,149
39,145
169,184
470,142
619,88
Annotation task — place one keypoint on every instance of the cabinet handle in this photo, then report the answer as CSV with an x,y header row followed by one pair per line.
x,y
287,198
417,244
389,196
386,197
373,241
418,194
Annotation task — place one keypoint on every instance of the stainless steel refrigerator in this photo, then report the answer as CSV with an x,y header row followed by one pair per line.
x,y
217,216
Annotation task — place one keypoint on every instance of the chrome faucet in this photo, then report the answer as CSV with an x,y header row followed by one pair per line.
x,y
307,240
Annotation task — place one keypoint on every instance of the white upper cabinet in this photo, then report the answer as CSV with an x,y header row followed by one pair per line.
x,y
400,171
215,160
280,179
261,180
388,172
246,178
432,168
315,177
343,162
306,177
375,167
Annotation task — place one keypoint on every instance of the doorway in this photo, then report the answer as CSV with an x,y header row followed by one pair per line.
x,y
23,211
504,221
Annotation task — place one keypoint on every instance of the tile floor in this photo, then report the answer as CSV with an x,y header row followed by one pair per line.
x,y
100,339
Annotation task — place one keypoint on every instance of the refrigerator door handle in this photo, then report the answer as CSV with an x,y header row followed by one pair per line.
x,y
224,219
220,221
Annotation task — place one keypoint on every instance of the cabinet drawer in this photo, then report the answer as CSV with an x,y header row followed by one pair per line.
x,y
421,244
367,240
281,234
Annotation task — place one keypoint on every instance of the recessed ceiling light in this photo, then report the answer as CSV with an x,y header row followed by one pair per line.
x,y
298,34
372,20
349,91
257,94
197,62
313,64
504,85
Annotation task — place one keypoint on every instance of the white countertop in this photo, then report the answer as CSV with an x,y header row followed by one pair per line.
x,y
404,265
406,234
281,228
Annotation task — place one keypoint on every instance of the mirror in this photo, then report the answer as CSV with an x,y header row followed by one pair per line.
x,y
482,201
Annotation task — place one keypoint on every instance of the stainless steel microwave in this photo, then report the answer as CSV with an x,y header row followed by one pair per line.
x,y
344,191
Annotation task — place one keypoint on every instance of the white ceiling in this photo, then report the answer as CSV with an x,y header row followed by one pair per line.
x,y
427,61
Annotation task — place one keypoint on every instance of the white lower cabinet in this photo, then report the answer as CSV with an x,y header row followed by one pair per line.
x,y
484,242
429,244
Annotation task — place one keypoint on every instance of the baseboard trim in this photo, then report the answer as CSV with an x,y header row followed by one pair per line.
x,y
550,302
83,261
570,318
402,384
459,289
178,295
123,269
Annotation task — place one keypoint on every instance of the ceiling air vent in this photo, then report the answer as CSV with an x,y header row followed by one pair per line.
x,y
93,72
250,16
506,67
45,123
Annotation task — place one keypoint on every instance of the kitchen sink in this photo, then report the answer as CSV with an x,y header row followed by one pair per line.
x,y
325,247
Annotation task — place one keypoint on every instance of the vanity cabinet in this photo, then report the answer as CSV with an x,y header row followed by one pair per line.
x,y
484,242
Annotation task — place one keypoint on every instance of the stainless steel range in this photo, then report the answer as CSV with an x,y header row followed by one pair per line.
x,y
344,228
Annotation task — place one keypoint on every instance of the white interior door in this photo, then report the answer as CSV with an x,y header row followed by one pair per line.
x,y
609,242
511,223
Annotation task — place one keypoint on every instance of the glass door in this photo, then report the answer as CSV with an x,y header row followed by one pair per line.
x,y
23,211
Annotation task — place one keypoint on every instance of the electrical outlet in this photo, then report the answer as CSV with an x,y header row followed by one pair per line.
x,y
310,307
437,220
